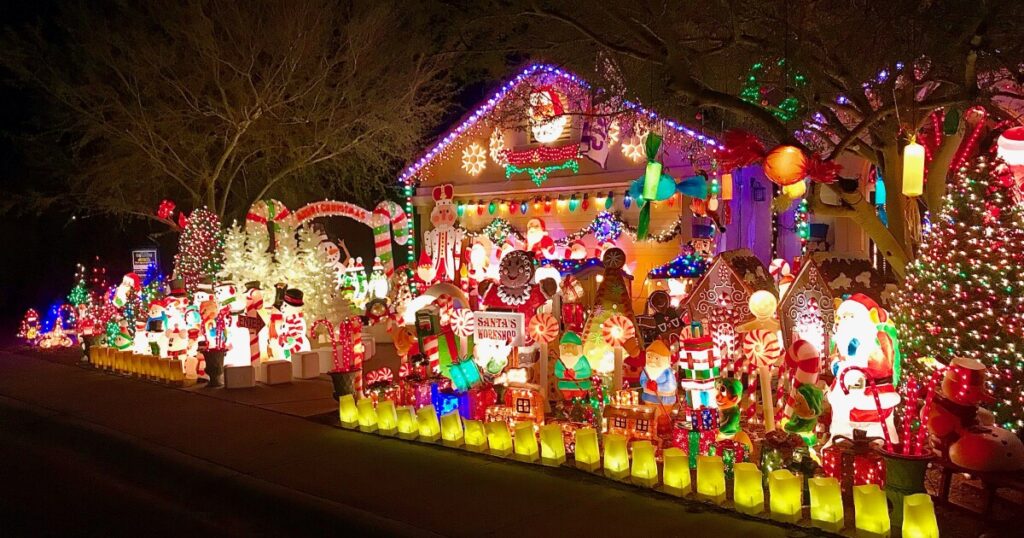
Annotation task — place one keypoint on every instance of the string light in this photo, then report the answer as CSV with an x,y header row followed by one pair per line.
x,y
539,174
200,249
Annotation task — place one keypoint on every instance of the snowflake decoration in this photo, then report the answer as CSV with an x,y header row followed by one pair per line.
x,y
614,132
496,148
474,160
634,149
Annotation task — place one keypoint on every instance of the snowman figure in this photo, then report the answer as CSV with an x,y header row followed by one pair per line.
x,y
237,338
292,336
330,252
866,361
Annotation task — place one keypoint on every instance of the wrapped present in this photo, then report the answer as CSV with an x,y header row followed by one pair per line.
x,y
731,451
464,374
572,317
854,461
444,399
474,402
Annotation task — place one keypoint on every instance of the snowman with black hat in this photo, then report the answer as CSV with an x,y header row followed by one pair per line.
x,y
293,332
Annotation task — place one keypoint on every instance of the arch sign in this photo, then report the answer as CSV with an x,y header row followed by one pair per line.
x,y
387,216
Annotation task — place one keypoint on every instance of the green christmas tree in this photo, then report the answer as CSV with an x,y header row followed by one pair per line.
x,y
200,249
964,294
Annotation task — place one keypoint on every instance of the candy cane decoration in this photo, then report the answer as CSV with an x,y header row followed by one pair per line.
x,y
386,216
330,334
252,310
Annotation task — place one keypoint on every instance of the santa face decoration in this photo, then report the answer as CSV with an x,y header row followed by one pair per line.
x,y
443,214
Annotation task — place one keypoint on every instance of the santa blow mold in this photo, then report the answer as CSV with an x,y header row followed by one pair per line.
x,y
443,243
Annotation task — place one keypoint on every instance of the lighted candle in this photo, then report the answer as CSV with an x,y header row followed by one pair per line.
x,y
406,422
526,442
348,413
367,415
426,419
451,429
475,435
616,456
711,479
588,453
387,418
552,445
785,490
826,503
913,169
499,441
748,488
675,472
871,511
919,517
644,470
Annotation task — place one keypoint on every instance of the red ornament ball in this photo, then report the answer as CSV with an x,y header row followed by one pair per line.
x,y
785,165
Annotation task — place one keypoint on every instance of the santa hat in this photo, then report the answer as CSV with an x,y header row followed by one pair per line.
x,y
539,223
136,281
871,308
425,260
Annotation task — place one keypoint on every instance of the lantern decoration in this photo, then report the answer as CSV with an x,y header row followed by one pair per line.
x,y
675,472
406,423
367,415
785,490
913,169
499,440
711,479
748,491
871,511
452,434
430,428
785,165
348,413
919,517
387,418
644,470
588,453
826,500
616,456
552,445
525,444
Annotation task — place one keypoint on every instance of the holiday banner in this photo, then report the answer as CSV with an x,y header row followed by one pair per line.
x,y
595,138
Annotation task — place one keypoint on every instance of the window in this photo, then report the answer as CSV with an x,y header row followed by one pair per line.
x,y
642,425
619,422
523,405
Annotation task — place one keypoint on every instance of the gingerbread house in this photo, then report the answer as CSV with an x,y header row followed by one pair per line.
x,y
847,275
807,310
633,421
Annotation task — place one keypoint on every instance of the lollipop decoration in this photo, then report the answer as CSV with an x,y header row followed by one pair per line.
x,y
543,329
463,325
616,331
762,347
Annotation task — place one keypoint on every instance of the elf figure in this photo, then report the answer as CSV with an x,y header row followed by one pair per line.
x,y
658,381
866,363
444,242
122,340
572,368
807,406
728,397
293,335
129,283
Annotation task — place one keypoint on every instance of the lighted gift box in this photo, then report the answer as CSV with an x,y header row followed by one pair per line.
x,y
475,435
871,511
854,461
644,469
526,449
748,489
919,517
405,421
367,415
675,472
552,445
429,427
785,491
444,400
826,503
387,418
616,456
711,479
499,440
451,429
588,452
348,413
474,402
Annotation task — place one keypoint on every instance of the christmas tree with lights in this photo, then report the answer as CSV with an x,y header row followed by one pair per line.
x,y
964,294
200,249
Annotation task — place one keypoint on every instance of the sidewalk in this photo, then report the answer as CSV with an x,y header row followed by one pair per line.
x,y
397,487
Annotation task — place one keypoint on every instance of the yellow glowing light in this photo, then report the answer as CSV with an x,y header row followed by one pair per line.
x,y
871,511
387,418
475,435
367,415
726,187
614,132
588,454
526,442
426,419
676,471
913,169
795,190
451,429
616,456
474,159
785,490
748,488
348,413
711,479
496,148
826,503
552,445
763,304
408,428
499,441
644,471
919,517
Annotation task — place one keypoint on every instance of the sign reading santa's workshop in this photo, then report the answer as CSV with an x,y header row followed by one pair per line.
x,y
500,326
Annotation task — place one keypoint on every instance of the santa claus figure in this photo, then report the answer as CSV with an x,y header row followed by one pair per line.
x,y
443,244
866,361
540,244
130,283
515,290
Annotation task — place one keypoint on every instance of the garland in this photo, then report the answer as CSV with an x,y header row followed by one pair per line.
x,y
605,226
541,154
539,174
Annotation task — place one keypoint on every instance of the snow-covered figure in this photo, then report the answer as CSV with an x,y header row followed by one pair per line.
x,y
229,303
293,329
443,244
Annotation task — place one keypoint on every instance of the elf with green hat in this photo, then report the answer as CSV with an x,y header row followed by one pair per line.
x,y
807,406
572,368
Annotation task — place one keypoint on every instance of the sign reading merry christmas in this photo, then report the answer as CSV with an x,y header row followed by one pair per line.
x,y
500,326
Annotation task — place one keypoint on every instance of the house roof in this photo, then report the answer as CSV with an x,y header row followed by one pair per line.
x,y
528,73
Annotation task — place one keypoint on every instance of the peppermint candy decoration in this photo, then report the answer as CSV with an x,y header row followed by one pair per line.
x,y
617,329
463,322
762,347
543,328
380,375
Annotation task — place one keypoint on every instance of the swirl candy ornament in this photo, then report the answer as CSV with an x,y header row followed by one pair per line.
x,y
463,322
762,347
543,328
617,329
